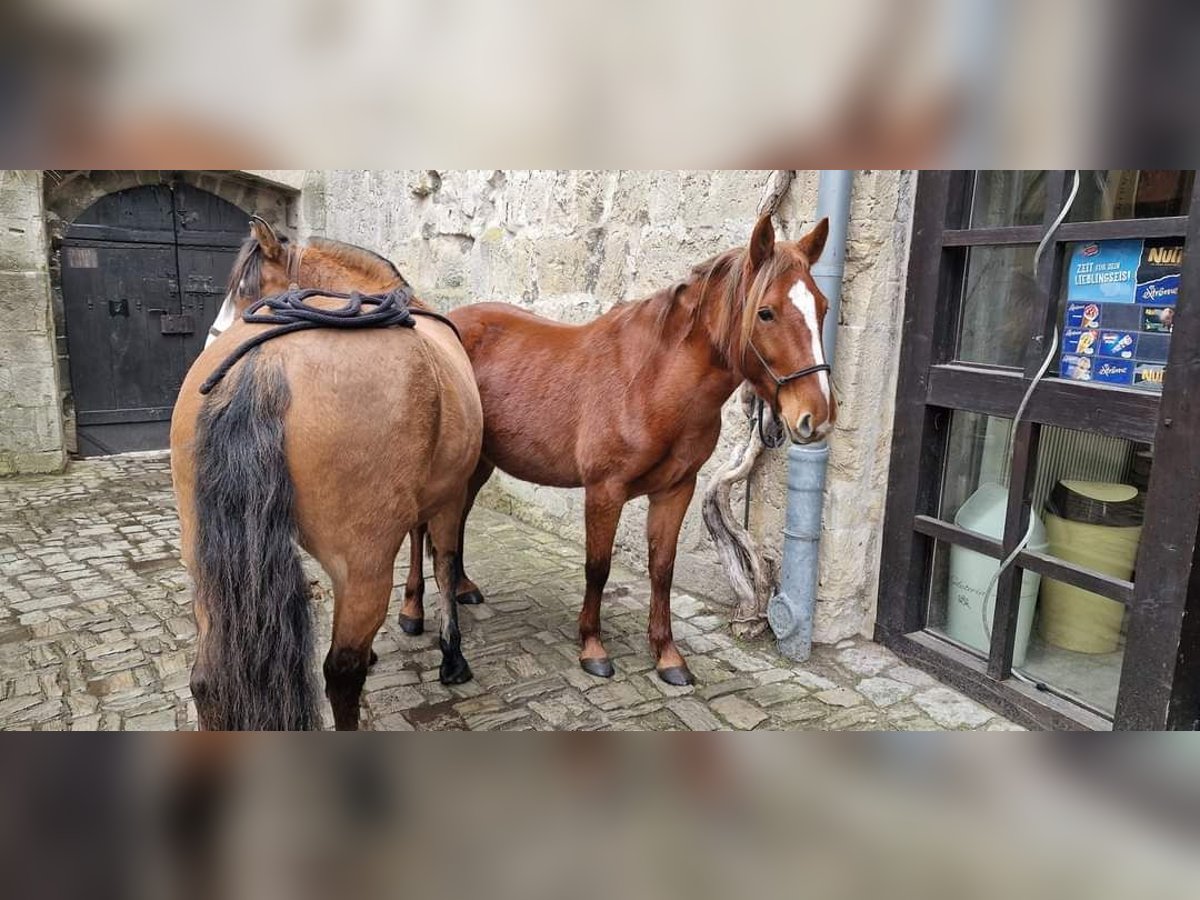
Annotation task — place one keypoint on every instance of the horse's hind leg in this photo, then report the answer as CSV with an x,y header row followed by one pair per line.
x,y
412,613
443,533
360,607
468,590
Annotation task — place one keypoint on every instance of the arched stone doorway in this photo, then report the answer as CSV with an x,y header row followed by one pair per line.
x,y
143,273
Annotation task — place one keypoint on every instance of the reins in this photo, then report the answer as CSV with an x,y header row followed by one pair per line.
x,y
780,381
290,312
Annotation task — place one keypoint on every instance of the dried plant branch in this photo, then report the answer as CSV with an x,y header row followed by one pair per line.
x,y
752,576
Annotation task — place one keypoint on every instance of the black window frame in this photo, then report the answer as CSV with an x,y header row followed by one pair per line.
x,y
1160,675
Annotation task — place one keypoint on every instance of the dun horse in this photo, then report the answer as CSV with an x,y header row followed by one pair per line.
x,y
629,405
342,441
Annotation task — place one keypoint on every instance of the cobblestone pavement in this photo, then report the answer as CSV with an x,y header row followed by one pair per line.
x,y
96,633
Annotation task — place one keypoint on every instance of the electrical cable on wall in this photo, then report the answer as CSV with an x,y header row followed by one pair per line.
x,y
1012,435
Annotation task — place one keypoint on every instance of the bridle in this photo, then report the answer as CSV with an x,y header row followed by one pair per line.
x,y
780,381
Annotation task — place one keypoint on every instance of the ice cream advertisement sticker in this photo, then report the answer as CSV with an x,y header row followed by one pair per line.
x,y
1149,376
1083,315
1161,290
1113,371
1158,319
1104,271
1105,371
1081,341
1118,344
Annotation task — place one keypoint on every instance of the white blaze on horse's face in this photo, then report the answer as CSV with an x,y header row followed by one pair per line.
x,y
225,317
803,299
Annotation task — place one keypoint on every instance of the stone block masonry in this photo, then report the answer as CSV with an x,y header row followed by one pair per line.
x,y
31,434
97,633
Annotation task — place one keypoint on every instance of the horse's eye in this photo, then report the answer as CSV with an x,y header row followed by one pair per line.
x,y
766,315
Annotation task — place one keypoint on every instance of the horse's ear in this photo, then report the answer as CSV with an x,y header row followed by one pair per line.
x,y
267,239
813,243
762,242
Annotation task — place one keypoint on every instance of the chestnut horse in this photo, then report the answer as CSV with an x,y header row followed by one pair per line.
x,y
340,440
629,405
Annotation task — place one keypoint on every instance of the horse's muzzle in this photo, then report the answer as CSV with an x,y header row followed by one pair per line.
x,y
804,431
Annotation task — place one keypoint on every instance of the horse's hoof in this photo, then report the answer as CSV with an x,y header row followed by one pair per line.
x,y
677,676
412,626
457,672
470,598
600,666
374,659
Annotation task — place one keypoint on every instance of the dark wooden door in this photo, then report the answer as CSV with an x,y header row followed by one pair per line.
x,y
143,275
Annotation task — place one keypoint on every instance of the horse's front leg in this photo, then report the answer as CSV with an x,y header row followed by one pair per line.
x,y
602,512
667,509
412,613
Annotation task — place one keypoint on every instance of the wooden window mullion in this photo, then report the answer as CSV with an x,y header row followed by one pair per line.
x,y
905,559
952,271
1016,522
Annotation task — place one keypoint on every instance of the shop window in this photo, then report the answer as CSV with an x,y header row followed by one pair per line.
x,y
1001,198
1132,194
998,293
1087,510
1093,494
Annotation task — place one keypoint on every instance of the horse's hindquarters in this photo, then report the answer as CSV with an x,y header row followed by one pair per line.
x,y
383,429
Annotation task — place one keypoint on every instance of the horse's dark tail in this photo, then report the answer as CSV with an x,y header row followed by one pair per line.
x,y
257,653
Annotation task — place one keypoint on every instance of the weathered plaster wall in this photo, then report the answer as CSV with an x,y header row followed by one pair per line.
x,y
570,244
31,434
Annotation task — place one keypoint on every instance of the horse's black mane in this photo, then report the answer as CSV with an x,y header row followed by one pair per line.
x,y
247,266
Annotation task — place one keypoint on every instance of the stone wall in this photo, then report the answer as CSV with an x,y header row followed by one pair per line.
x,y
31,434
571,244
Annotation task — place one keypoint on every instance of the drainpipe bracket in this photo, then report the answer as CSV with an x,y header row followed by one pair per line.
x,y
791,624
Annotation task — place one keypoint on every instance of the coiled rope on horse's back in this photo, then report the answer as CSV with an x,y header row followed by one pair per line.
x,y
291,311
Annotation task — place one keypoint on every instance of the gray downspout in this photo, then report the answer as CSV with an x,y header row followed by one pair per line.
x,y
790,612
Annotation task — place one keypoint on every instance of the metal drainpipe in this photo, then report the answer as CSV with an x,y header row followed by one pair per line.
x,y
790,612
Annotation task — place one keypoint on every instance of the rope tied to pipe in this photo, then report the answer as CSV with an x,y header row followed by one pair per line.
x,y
291,311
